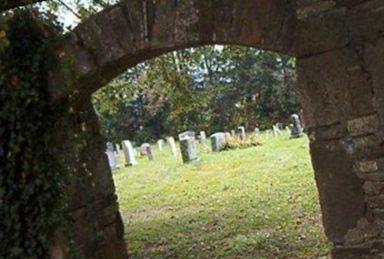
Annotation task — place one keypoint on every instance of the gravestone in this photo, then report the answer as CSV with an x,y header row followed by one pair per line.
x,y
143,149
186,135
288,128
256,131
242,134
118,148
297,129
129,153
189,151
233,133
276,130
111,156
228,137
218,141
146,150
160,144
202,136
172,144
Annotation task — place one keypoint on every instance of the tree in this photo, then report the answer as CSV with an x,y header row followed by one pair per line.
x,y
213,88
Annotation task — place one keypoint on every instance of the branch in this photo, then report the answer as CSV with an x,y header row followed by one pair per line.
x,y
10,4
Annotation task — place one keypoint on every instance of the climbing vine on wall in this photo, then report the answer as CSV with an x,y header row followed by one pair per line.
x,y
31,179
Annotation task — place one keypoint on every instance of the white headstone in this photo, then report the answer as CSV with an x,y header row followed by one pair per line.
x,y
202,136
160,144
186,135
129,153
276,130
111,156
172,144
118,148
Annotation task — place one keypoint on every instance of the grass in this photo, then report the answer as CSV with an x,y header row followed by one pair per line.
x,y
259,202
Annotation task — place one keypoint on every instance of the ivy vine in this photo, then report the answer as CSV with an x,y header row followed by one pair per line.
x,y
32,201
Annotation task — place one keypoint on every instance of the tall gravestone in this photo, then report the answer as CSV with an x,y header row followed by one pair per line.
x,y
242,133
129,153
111,156
160,144
296,130
276,130
218,141
189,151
202,136
172,144
118,148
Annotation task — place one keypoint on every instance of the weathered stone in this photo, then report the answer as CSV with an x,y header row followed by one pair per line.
x,y
129,154
297,129
339,47
187,135
339,214
363,125
160,144
172,144
111,156
202,136
146,150
334,87
189,151
218,141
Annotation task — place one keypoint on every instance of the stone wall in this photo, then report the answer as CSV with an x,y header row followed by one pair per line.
x,y
342,103
95,220
340,57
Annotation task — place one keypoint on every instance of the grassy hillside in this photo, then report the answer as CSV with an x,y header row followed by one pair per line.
x,y
259,202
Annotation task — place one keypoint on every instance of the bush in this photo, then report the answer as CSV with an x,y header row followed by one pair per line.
x,y
237,143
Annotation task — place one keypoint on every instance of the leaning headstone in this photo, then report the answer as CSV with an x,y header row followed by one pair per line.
x,y
146,150
129,153
189,151
202,136
186,135
111,156
296,130
172,144
242,133
218,141
160,144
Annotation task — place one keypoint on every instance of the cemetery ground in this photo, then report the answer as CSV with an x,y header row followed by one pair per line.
x,y
259,202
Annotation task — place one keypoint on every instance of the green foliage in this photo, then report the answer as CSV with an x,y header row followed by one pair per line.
x,y
259,202
211,88
31,179
237,143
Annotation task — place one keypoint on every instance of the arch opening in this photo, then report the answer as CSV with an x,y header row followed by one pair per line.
x,y
162,216
337,86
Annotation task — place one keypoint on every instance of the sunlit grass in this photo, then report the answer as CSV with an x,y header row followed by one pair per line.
x,y
259,202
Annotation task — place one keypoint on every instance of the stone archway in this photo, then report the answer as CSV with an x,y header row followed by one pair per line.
x,y
338,50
